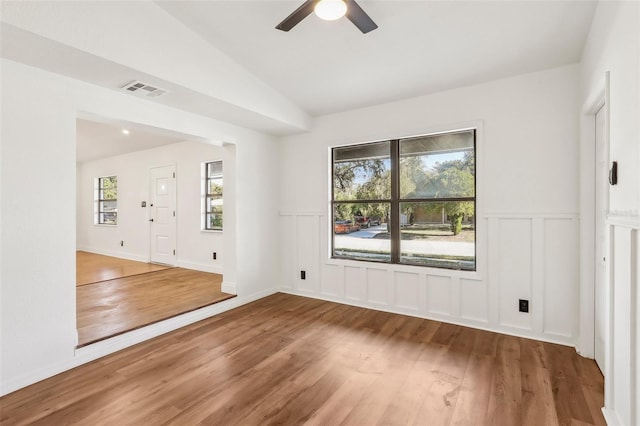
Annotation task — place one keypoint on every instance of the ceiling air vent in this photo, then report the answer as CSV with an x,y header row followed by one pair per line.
x,y
144,89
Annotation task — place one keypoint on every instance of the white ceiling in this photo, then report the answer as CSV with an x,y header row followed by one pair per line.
x,y
226,60
420,47
95,139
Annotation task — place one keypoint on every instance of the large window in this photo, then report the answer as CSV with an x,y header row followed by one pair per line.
x,y
409,201
107,200
213,196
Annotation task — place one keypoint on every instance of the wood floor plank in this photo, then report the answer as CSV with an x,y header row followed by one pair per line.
x,y
291,360
473,399
109,308
92,268
567,389
505,402
403,408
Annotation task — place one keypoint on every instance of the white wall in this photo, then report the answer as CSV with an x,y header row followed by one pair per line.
x,y
613,49
169,45
527,209
194,247
39,110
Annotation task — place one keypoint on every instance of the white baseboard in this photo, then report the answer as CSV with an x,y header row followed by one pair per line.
x,y
229,287
480,325
115,253
214,269
611,417
122,341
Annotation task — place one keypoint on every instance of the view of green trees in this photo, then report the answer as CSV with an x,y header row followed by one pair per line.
x,y
109,188
214,198
362,180
370,180
108,204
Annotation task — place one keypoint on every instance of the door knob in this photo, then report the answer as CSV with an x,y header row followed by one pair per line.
x,y
150,220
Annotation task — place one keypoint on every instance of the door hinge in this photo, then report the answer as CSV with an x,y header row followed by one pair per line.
x,y
174,175
174,213
174,252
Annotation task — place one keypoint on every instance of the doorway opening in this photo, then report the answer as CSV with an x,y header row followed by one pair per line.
x,y
601,283
142,255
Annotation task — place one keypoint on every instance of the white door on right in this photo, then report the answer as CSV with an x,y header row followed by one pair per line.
x,y
601,314
163,215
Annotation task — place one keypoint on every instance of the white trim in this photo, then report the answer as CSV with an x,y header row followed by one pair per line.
x,y
611,417
632,222
122,341
214,269
477,324
112,253
229,287
400,267
531,215
598,97
300,213
174,207
481,256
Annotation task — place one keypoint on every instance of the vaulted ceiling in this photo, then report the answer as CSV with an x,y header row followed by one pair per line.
x,y
420,47
225,59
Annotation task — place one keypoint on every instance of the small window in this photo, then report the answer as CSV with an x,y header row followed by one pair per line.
x,y
213,196
409,201
107,201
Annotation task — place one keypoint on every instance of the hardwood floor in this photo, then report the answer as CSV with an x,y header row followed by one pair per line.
x,y
92,268
109,308
292,360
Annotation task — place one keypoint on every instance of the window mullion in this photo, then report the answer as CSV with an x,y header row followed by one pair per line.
x,y
395,204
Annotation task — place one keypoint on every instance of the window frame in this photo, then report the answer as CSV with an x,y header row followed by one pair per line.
x,y
396,201
210,196
99,201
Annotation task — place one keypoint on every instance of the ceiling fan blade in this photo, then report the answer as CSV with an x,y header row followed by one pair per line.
x,y
298,15
359,17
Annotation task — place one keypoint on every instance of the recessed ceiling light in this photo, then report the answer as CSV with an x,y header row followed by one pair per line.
x,y
125,132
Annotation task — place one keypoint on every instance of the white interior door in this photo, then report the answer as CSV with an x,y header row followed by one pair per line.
x,y
163,215
601,282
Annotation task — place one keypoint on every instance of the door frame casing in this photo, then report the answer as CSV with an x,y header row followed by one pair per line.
x,y
175,206
604,205
585,346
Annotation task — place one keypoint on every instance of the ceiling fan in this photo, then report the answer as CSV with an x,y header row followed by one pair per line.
x,y
330,10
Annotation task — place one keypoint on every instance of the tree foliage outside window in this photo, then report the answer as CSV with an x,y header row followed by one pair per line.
x,y
107,200
214,196
419,193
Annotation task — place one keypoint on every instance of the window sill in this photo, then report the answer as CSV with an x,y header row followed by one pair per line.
x,y
211,231
106,225
399,267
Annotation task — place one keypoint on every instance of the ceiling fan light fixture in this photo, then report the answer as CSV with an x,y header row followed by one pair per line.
x,y
330,10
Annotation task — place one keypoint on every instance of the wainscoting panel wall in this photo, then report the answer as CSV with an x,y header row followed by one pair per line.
x,y
622,390
514,269
531,257
561,277
407,290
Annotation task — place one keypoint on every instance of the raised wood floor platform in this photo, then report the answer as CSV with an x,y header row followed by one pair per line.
x,y
293,360
108,308
92,268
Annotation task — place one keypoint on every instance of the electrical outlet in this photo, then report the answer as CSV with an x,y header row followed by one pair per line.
x,y
215,255
523,305
303,275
